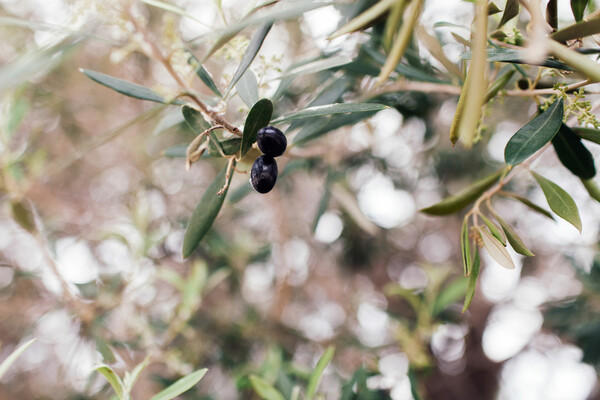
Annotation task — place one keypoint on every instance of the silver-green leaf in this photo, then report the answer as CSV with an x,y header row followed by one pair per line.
x,y
559,201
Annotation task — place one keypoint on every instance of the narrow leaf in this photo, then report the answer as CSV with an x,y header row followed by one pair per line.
x,y
552,14
592,188
247,88
578,30
194,120
177,151
322,204
259,116
127,88
255,44
454,291
172,8
112,378
203,74
573,154
435,48
498,85
495,249
364,19
593,135
472,281
130,380
559,201
515,56
205,214
181,386
534,135
9,361
529,203
264,389
228,146
317,66
337,108
465,246
494,230
578,62
466,196
578,7
511,10
513,238
315,378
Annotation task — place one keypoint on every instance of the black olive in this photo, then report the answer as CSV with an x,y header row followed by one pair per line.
x,y
271,141
264,174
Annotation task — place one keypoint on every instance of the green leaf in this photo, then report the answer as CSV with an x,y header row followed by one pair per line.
x,y
177,151
529,204
517,57
466,196
228,146
465,246
315,378
181,386
511,10
264,389
472,281
405,70
205,214
317,66
112,378
247,88
495,249
203,74
364,19
259,116
9,361
194,120
592,188
253,47
593,135
573,154
578,62
449,295
578,7
322,204
494,230
559,201
534,135
317,127
513,238
578,30
127,88
337,108
130,379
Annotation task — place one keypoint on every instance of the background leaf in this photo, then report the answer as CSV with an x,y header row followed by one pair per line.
x,y
518,57
9,361
182,385
205,214
337,108
530,204
194,120
534,135
315,378
472,281
247,88
259,116
203,74
127,88
264,389
253,47
559,201
112,378
466,196
511,10
573,154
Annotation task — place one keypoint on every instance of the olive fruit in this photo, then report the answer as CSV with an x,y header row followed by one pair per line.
x,y
263,174
271,141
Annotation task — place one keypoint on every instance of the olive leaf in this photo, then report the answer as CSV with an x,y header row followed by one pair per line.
x,y
247,88
495,249
559,201
12,357
228,146
194,120
112,378
337,108
511,10
259,116
472,281
203,74
264,389
465,247
494,230
578,7
577,30
534,135
529,203
205,213
573,154
253,48
180,386
127,88
466,196
513,238
315,377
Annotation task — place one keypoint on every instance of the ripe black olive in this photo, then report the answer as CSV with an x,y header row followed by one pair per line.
x,y
264,174
271,141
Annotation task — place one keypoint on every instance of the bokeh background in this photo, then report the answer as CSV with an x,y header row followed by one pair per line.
x,y
97,275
